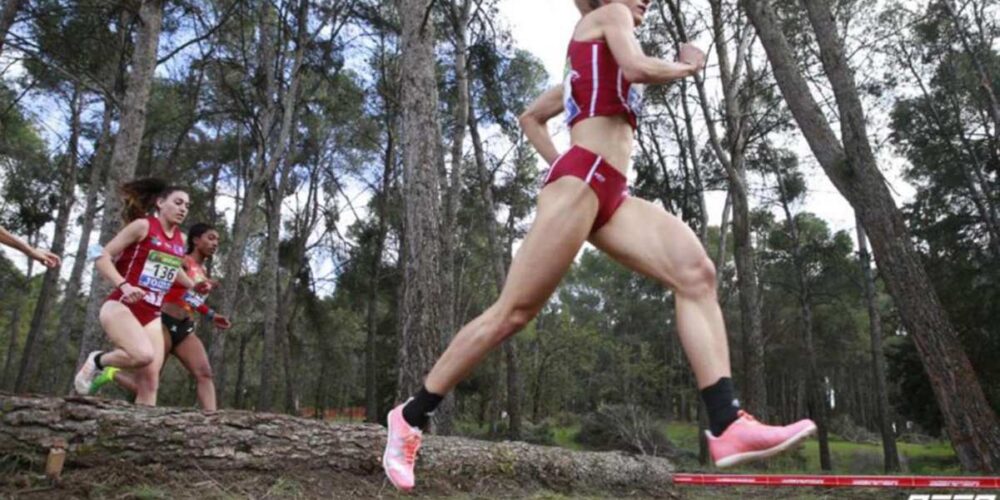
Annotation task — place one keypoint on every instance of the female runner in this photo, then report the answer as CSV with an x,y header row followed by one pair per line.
x,y
149,252
177,316
585,198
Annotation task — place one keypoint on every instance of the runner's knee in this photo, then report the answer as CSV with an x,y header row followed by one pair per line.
x,y
203,373
696,278
514,319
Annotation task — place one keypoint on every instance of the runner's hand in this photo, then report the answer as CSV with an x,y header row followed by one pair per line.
x,y
221,322
204,287
692,55
46,257
132,294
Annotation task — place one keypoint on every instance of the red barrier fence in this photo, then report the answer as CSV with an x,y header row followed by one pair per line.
x,y
953,482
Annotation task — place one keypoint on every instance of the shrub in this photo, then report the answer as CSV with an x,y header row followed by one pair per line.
x,y
626,428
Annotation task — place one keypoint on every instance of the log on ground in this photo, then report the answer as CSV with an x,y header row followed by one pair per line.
x,y
97,432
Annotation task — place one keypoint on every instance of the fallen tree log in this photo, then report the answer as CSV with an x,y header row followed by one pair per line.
x,y
98,432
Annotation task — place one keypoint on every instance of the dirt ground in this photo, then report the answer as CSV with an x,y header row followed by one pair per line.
x,y
156,482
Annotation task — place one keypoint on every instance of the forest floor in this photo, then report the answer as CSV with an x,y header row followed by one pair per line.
x,y
154,482
21,479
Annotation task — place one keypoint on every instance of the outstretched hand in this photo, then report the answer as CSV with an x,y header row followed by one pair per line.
x,y
692,55
46,257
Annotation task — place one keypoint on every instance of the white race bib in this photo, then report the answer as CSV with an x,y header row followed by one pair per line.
x,y
158,275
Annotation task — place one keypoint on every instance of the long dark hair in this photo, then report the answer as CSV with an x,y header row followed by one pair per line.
x,y
139,196
195,232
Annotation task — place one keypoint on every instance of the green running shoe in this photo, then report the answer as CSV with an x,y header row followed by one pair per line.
x,y
107,376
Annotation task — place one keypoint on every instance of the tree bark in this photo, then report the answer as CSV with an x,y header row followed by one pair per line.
x,y
99,432
890,454
451,182
969,420
420,312
68,317
50,283
125,152
268,293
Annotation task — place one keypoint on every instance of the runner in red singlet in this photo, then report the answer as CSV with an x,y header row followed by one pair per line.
x,y
143,261
177,316
585,198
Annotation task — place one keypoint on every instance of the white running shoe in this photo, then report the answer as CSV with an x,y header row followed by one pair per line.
x,y
86,375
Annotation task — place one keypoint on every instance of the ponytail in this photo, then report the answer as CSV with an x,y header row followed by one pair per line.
x,y
139,196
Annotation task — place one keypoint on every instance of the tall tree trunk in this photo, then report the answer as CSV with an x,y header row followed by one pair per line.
x,y
451,182
817,394
6,378
421,306
10,8
890,454
268,292
13,331
126,152
269,155
372,413
970,421
499,268
68,317
50,283
459,17
239,391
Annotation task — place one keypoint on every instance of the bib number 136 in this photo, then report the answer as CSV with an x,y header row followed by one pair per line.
x,y
158,275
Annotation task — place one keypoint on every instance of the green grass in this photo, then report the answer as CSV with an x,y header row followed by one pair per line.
x,y
848,458
684,435
565,437
147,492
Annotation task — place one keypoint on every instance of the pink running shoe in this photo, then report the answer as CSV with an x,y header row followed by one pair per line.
x,y
747,439
401,448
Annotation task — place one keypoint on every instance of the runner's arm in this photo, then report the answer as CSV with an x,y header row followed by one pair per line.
x,y
132,233
619,30
534,122
45,257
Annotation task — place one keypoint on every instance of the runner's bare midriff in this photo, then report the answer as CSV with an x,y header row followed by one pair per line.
x,y
607,136
174,310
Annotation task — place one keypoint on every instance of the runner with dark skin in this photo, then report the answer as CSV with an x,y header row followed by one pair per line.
x,y
178,321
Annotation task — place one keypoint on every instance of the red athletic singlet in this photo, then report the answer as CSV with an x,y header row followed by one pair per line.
x,y
183,297
594,84
151,264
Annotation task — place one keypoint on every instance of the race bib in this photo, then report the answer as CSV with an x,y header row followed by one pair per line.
x,y
193,299
636,98
570,106
158,274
